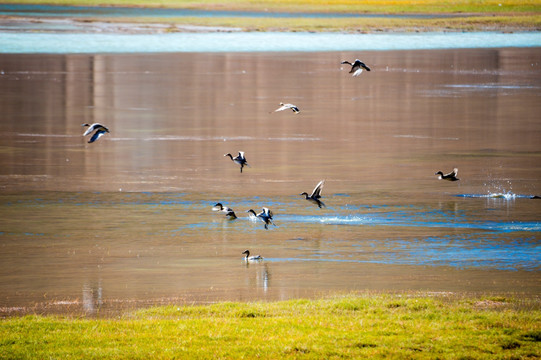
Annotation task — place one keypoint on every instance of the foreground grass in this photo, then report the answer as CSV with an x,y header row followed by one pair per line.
x,y
366,326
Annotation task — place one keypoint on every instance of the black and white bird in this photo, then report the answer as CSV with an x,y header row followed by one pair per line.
x,y
251,258
450,177
283,107
316,194
239,159
99,129
357,67
265,216
229,213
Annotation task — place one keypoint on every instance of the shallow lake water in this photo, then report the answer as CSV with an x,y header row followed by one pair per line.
x,y
127,221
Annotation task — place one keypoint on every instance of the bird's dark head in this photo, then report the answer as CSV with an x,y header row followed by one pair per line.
x,y
304,194
439,173
83,125
246,251
228,154
218,205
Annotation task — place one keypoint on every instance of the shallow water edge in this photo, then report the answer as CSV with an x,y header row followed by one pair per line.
x,y
71,42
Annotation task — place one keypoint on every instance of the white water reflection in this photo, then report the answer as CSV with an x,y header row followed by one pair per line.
x,y
32,42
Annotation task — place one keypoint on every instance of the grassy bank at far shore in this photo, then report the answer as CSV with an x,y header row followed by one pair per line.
x,y
345,6
382,326
363,25
467,15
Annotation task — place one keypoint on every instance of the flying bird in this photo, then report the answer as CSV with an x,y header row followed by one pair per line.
x,y
450,177
229,213
99,129
265,216
239,159
251,258
316,194
357,67
283,107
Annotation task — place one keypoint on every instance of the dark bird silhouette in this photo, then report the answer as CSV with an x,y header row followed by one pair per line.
x,y
239,159
229,213
316,194
357,67
450,177
99,129
265,216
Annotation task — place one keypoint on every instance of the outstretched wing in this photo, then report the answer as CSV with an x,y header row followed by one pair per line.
x,y
97,135
316,194
90,129
267,212
93,127
364,66
282,108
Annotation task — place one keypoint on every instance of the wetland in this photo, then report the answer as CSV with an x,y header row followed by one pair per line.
x,y
127,221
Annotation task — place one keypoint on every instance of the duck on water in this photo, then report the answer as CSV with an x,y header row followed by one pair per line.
x,y
449,177
251,258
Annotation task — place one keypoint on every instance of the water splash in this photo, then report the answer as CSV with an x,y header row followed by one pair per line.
x,y
416,220
497,189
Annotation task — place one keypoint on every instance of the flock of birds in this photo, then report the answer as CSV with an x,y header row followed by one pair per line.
x,y
265,215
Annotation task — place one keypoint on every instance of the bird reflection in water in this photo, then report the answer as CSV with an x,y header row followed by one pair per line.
x,y
92,297
262,278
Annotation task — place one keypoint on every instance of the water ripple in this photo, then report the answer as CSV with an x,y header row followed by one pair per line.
x,y
407,220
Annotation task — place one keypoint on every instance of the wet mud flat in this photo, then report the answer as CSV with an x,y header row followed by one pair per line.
x,y
127,221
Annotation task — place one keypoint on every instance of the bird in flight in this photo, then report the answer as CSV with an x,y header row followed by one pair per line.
x,y
99,129
283,107
265,216
357,67
316,194
239,159
229,213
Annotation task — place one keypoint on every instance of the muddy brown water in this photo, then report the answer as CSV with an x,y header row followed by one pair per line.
x,y
127,221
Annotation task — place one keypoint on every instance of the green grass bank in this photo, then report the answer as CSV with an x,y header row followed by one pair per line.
x,y
348,6
468,15
380,326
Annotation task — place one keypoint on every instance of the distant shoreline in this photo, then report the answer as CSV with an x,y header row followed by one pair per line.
x,y
132,26
137,19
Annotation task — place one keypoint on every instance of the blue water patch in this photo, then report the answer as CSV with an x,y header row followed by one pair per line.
x,y
31,42
505,196
480,250
413,220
